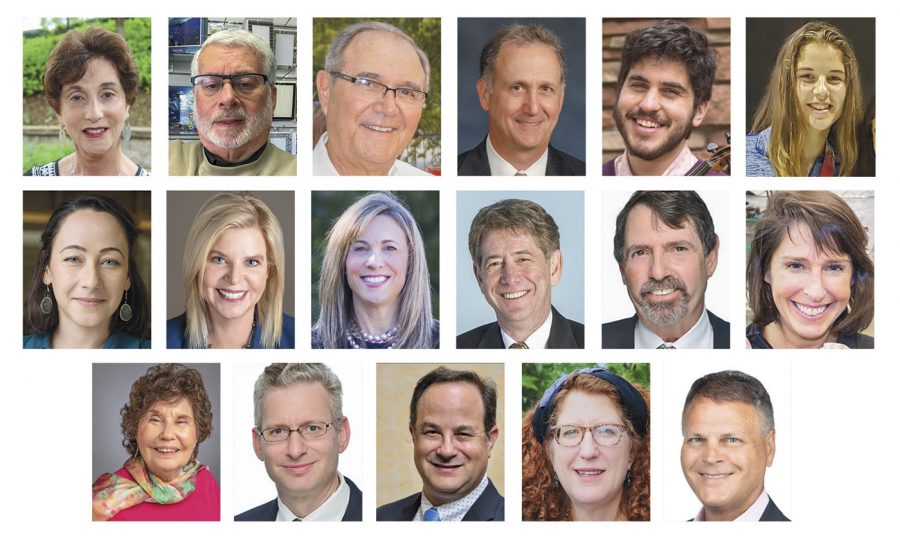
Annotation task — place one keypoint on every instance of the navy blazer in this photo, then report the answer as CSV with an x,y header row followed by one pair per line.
x,y
488,507
620,334
176,326
771,513
269,511
475,162
564,333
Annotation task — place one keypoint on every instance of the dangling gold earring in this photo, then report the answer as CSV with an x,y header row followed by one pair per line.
x,y
47,302
63,136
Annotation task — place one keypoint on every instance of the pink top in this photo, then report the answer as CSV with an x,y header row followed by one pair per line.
x,y
201,505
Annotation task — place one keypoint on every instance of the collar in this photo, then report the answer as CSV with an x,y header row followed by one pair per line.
x,y
453,510
322,165
827,164
754,513
679,166
535,341
332,509
500,167
699,336
218,162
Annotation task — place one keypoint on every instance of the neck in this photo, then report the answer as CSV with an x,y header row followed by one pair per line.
x,y
716,514
106,164
347,167
230,332
654,167
778,337
520,331
606,511
375,319
519,159
304,504
233,156
69,335
813,146
675,331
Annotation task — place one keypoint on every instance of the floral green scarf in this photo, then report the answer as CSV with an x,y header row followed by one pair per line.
x,y
114,493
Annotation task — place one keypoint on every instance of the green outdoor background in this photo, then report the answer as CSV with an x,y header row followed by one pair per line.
x,y
36,47
425,208
426,32
537,377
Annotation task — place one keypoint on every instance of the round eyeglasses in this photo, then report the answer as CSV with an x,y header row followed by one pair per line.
x,y
607,434
244,84
373,90
310,431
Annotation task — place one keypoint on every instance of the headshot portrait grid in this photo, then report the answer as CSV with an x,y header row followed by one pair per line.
x,y
667,87
734,461
315,474
86,269
586,442
155,441
671,287
230,269
523,254
232,88
86,97
440,442
377,96
375,269
518,81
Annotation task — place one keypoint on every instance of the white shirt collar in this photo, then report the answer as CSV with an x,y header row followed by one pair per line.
x,y
500,167
453,510
699,336
323,166
333,509
535,341
754,513
679,166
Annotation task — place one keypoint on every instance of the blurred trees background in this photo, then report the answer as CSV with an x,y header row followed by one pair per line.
x,y
537,377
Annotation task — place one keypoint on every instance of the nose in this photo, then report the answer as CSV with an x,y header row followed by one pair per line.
x,y
374,260
815,289
227,96
711,453
233,276
167,431
650,101
658,267
296,446
387,104
93,112
530,103
821,89
588,447
447,448
90,276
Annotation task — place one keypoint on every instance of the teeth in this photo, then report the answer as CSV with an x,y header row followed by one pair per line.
x,y
663,292
374,279
515,295
167,450
95,130
811,311
378,128
820,107
715,476
590,472
647,123
231,295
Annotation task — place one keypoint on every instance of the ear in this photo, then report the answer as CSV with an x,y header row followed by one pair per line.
x,y
555,267
770,448
699,114
484,95
47,278
412,432
477,271
343,435
323,87
257,444
492,438
712,259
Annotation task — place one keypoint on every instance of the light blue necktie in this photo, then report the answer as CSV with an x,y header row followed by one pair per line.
x,y
431,515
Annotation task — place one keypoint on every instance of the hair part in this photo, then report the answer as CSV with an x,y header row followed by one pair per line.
x,y
518,34
733,387
240,38
834,228
285,375
781,110
487,389
515,215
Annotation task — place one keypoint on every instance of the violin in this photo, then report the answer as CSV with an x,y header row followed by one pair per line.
x,y
719,161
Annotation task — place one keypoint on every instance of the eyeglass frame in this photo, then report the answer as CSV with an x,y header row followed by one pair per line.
x,y
229,79
299,431
590,430
353,80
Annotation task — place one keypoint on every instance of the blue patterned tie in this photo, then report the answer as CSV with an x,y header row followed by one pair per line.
x,y
432,515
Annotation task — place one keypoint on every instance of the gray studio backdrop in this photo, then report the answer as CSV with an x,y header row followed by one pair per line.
x,y
111,386
182,206
567,210
472,120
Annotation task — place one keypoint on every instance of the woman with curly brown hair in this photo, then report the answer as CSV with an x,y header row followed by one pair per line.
x,y
167,416
586,450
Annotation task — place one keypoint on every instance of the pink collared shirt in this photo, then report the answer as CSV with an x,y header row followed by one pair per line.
x,y
679,167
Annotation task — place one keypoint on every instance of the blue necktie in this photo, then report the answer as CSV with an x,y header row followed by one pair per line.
x,y
432,515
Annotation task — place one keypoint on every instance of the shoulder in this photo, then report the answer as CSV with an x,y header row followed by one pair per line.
x,y
47,170
490,506
858,341
263,512
141,172
175,331
773,513
316,340
408,170
755,337
474,161
402,510
609,168
287,331
185,157
619,333
758,164
126,340
565,164
435,334
36,341
472,338
721,330
278,162
354,507
618,325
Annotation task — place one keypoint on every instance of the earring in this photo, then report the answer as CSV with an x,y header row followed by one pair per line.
x,y
126,131
47,302
628,478
63,136
125,312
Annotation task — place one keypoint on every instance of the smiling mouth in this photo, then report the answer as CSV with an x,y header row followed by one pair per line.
x,y
167,451
89,301
810,311
445,468
709,476
589,473
230,295
94,132
820,106
514,295
298,469
382,129
375,280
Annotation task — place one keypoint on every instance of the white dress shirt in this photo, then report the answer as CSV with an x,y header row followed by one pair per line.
x,y
699,336
754,513
500,167
333,509
322,163
453,510
535,341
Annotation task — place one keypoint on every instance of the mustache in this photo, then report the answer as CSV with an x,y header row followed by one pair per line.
x,y
669,282
231,113
640,113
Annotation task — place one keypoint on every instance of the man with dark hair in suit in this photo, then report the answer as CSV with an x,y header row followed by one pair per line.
x,y
521,85
453,424
667,249
517,261
302,398
728,426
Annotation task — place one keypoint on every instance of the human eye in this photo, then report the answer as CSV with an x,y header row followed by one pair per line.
x,y
217,259
794,266
732,440
568,431
464,435
314,429
835,267
253,262
405,92
362,82
110,261
517,87
211,84
606,430
276,432
72,259
695,440
638,253
77,97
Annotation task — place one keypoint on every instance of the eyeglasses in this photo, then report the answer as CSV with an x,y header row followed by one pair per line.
x,y
607,434
373,90
310,431
244,84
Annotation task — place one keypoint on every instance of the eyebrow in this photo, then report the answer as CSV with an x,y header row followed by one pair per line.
x,y
670,244
667,84
809,69
377,77
251,257
844,259
82,249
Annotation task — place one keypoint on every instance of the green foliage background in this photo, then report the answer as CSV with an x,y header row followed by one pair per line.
x,y
426,32
327,208
537,377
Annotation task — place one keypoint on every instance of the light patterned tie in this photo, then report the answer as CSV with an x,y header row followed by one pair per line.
x,y
432,515
518,346
520,174
665,346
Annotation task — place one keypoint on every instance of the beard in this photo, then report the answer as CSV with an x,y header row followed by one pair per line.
x,y
678,133
668,312
254,124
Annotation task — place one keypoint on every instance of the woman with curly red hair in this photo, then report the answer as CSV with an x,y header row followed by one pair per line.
x,y
586,450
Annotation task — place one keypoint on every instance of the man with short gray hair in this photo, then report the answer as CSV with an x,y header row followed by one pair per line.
x,y
233,75
302,398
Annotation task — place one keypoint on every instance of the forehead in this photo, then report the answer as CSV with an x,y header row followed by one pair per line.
x,y
383,227
798,241
228,59
452,404
660,71
385,55
500,241
86,226
302,401
179,407
240,239
643,227
583,408
528,61
718,417
820,55
98,71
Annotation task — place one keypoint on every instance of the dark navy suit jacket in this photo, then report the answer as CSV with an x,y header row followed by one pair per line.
x,y
269,511
771,513
475,162
488,507
620,334
563,334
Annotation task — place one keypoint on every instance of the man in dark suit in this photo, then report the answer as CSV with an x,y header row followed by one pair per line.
x,y
728,425
453,424
521,86
667,249
302,398
517,261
